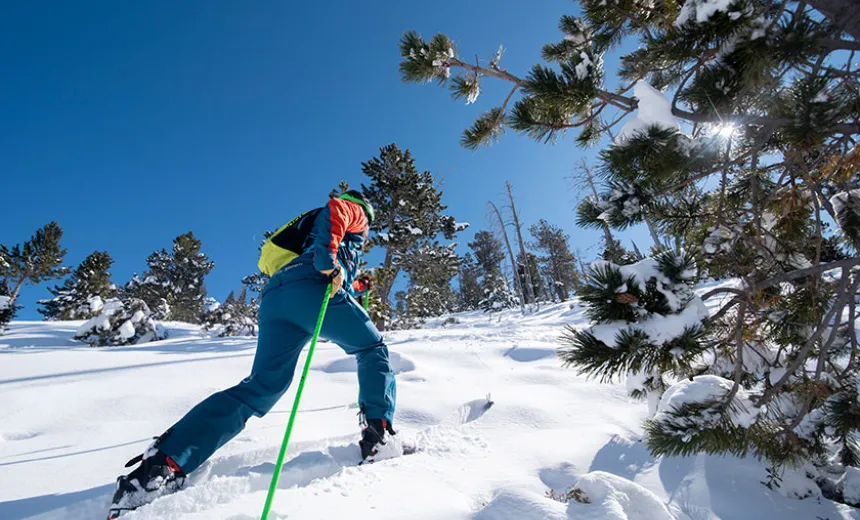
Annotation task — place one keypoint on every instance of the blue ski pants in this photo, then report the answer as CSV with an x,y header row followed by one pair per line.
x,y
288,312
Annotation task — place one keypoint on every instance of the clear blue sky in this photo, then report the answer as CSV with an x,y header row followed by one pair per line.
x,y
132,122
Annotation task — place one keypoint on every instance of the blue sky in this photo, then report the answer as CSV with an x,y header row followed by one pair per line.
x,y
132,122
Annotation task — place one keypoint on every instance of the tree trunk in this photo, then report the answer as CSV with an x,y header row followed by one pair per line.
x,y
530,290
385,288
517,283
843,13
18,285
654,236
589,178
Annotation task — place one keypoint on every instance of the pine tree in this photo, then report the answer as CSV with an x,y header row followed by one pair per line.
x,y
613,251
235,317
528,271
174,282
83,294
409,211
496,293
488,251
342,188
121,322
558,264
648,324
470,289
8,309
742,165
431,267
39,259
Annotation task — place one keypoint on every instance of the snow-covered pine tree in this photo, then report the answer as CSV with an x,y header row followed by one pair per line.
x,y
83,294
8,309
558,264
121,322
235,317
409,211
470,288
753,151
431,267
37,260
174,282
496,295
648,324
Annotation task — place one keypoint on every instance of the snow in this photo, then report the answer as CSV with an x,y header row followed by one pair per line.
x,y
96,304
850,484
126,330
653,110
582,67
707,388
615,498
5,302
474,91
73,415
703,10
414,230
660,329
841,199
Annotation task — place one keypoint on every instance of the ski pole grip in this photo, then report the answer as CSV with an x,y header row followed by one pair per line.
x,y
334,274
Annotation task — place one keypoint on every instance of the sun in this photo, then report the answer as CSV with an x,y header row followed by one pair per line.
x,y
724,130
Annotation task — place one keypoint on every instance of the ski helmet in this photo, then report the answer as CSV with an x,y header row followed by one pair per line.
x,y
357,197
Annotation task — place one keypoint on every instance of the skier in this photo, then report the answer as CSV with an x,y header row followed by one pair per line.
x,y
331,240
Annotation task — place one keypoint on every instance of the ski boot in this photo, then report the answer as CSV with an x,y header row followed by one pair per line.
x,y
372,437
156,476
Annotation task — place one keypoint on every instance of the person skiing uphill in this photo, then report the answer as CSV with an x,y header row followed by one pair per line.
x,y
331,240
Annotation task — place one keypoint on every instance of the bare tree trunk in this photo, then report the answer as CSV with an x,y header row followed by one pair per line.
x,y
385,287
517,283
530,290
654,236
589,179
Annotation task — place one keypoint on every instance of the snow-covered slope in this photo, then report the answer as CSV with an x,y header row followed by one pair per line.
x,y
71,415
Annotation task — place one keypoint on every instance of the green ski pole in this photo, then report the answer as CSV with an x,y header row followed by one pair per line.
x,y
367,299
280,463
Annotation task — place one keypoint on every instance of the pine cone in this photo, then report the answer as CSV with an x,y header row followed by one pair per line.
x,y
626,298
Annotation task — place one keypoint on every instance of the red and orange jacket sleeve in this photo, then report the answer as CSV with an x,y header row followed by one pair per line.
x,y
337,218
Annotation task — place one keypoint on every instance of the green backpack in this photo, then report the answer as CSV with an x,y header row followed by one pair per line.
x,y
287,243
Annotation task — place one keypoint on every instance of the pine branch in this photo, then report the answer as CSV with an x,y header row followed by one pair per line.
x,y
837,306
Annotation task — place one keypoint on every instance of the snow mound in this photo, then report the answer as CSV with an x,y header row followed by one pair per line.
x,y
850,483
703,389
615,498
516,504
399,364
527,354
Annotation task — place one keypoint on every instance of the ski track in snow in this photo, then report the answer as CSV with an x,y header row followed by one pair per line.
x,y
71,415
